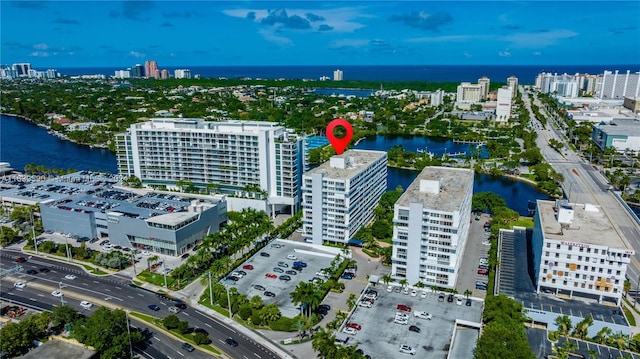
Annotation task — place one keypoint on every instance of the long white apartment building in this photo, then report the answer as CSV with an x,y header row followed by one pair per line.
x,y
503,104
249,160
431,224
578,253
339,196
468,92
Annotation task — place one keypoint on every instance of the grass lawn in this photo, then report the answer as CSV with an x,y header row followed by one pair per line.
x,y
524,222
156,278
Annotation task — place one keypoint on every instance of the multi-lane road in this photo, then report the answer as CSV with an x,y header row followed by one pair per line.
x,y
585,184
117,292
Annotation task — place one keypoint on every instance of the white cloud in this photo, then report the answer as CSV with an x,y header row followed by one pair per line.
x,y
271,37
537,53
340,19
136,54
504,53
538,39
349,43
39,54
40,46
448,38
466,54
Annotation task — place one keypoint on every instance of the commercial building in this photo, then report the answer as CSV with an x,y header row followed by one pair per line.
x,y
137,71
484,83
22,69
151,69
182,73
122,74
622,135
339,196
248,160
632,103
468,92
431,224
578,252
337,75
512,82
503,104
613,85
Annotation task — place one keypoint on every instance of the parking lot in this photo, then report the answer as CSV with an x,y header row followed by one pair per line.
x,y
474,250
380,337
314,258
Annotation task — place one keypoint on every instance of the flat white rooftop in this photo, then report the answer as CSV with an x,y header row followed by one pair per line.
x,y
454,183
590,226
360,160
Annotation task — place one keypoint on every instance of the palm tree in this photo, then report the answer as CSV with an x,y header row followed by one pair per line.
x,y
303,294
150,260
351,301
582,327
467,293
564,324
324,344
619,340
602,335
419,284
434,288
404,282
386,279
256,302
270,312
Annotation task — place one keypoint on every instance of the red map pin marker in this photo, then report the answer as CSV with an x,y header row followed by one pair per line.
x,y
339,144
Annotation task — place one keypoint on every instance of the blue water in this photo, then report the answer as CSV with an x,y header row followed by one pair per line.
x,y
22,142
437,146
432,73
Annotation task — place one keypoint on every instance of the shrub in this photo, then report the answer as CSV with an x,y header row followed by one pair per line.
x,y
284,324
183,327
244,312
171,322
201,338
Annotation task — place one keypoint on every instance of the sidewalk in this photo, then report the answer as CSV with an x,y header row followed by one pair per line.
x,y
634,329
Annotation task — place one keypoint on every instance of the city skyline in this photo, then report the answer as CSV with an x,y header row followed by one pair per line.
x,y
115,33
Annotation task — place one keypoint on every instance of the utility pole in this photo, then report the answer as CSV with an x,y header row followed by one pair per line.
x,y
164,272
33,232
126,313
210,290
229,301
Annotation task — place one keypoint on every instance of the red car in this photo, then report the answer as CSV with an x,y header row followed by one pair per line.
x,y
271,275
483,271
247,267
403,308
354,326
21,259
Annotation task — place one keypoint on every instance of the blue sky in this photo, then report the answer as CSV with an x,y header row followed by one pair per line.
x,y
199,33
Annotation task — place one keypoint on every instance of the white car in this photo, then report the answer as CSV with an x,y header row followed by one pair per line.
x,y
414,293
146,253
407,349
350,331
292,257
86,305
486,243
423,315
401,321
364,303
390,289
237,274
405,290
423,294
70,277
56,293
459,301
20,284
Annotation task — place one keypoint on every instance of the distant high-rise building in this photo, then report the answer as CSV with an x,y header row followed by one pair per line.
x,y
122,74
52,74
137,71
503,104
182,73
22,69
614,85
151,68
337,75
512,82
164,74
436,97
468,92
484,82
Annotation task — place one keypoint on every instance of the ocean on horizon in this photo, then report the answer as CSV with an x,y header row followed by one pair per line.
x,y
431,73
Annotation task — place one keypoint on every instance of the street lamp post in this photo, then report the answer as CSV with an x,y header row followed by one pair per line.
x,y
228,300
61,294
126,313
210,290
33,232
164,272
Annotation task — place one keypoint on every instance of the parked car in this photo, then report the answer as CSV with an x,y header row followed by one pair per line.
x,y
349,331
292,257
247,267
422,315
482,266
459,301
468,303
364,303
423,294
259,287
483,272
283,265
441,297
271,275
407,349
414,328
346,276
291,272
397,289
390,289
414,293
188,347
481,287
403,308
265,254
401,321
298,268
285,277
405,290
450,298
355,326
269,294
278,270
300,264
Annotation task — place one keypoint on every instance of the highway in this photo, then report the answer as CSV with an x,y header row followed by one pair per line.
x,y
115,292
585,184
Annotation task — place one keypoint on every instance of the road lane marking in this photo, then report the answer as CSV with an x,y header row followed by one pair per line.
x,y
106,289
179,353
130,296
156,338
256,354
208,325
